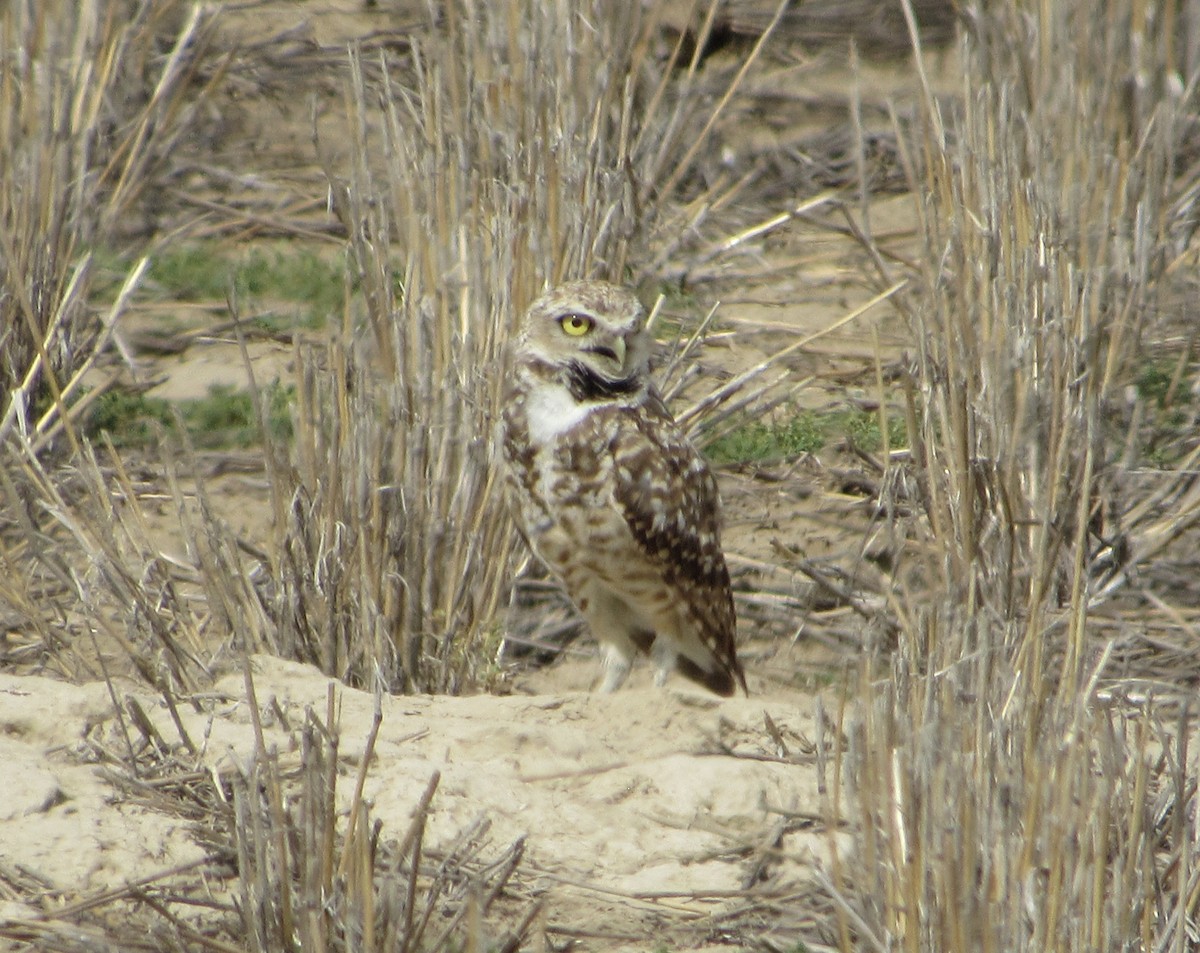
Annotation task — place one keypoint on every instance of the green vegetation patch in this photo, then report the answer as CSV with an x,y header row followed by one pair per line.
x,y
200,272
807,432
129,419
207,271
754,441
1169,432
224,418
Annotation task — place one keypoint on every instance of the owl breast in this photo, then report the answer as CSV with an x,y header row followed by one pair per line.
x,y
560,464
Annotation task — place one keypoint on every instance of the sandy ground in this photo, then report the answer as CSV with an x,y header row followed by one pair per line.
x,y
637,807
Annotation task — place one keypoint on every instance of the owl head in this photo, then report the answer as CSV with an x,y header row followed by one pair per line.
x,y
588,326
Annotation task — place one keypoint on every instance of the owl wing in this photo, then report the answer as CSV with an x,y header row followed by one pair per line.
x,y
668,496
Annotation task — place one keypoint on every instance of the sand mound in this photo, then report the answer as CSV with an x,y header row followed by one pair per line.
x,y
645,797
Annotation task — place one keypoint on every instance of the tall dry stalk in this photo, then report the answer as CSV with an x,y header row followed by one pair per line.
x,y
973,832
1045,218
999,804
316,873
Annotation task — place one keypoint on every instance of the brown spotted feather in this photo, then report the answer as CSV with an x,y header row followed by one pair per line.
x,y
671,506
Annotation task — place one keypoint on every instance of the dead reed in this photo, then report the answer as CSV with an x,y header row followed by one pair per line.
x,y
1002,801
315,872
1047,229
93,99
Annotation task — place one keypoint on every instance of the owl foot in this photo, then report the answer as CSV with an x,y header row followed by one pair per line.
x,y
665,658
616,669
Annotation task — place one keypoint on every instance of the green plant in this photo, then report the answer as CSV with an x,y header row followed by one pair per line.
x,y
209,271
191,272
861,427
807,432
1154,382
226,417
1167,434
129,418
754,441
223,418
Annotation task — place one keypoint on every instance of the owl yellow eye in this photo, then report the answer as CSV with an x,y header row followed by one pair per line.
x,y
576,325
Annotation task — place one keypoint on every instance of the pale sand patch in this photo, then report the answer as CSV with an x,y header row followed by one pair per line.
x,y
629,792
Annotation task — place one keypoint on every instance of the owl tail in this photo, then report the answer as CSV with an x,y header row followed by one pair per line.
x,y
718,671
722,680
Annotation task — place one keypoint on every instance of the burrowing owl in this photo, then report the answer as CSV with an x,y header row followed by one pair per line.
x,y
610,493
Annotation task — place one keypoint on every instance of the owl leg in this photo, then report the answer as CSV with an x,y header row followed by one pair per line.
x,y
618,660
615,626
665,658
680,648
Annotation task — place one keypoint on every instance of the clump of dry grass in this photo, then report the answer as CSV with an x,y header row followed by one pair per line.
x,y
316,876
93,98
1047,230
986,821
87,111
534,143
1001,800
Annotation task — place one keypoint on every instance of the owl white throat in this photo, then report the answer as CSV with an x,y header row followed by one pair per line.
x,y
551,411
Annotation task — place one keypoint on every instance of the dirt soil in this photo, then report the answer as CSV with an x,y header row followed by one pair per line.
x,y
647,814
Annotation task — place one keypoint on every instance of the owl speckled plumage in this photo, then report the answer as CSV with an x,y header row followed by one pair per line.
x,y
610,493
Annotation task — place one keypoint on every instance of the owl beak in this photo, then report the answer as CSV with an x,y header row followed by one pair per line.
x,y
613,349
618,346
